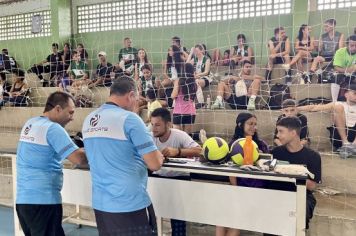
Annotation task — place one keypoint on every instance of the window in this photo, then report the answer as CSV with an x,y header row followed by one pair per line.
x,y
130,14
333,4
20,26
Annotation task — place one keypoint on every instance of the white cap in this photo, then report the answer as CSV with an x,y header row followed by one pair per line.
x,y
102,53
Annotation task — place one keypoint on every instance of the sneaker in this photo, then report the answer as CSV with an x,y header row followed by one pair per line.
x,y
251,106
307,78
347,150
286,67
319,71
202,136
200,105
217,105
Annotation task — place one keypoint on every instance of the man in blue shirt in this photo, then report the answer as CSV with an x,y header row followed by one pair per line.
x,y
43,145
120,149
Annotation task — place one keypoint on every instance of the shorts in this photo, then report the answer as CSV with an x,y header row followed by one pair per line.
x,y
335,138
279,60
141,222
207,82
40,220
237,102
183,119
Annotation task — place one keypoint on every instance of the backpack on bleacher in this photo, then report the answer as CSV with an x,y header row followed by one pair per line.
x,y
278,93
314,101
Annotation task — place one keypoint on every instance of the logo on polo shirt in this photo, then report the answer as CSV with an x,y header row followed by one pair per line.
x,y
27,129
94,120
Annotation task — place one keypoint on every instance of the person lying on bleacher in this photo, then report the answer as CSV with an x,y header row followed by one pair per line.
x,y
103,72
279,52
127,58
239,91
289,109
345,64
304,45
18,91
54,66
201,63
343,131
78,72
329,43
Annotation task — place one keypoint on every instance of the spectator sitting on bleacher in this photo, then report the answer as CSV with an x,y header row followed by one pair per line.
x,y
82,53
78,72
5,65
103,72
246,86
141,60
241,52
279,52
66,55
13,62
127,58
329,43
146,82
345,64
177,42
289,108
55,66
343,131
304,45
153,102
18,91
201,63
172,68
184,92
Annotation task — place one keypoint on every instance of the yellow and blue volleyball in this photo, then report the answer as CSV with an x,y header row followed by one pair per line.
x,y
237,151
215,150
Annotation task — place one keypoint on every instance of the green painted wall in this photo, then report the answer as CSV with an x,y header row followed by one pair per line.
x,y
157,40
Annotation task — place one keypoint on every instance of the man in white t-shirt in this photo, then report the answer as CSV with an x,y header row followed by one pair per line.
x,y
172,143
343,132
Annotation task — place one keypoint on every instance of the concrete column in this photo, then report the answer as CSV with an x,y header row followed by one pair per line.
x,y
61,21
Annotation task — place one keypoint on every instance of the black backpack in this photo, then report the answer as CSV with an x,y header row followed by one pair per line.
x,y
313,101
278,93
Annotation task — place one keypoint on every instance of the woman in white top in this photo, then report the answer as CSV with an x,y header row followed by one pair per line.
x,y
202,74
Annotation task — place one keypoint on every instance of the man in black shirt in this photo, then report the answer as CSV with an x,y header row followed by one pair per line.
x,y
12,64
55,66
103,71
293,151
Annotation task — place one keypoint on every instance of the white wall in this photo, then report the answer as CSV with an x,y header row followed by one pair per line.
x,y
24,6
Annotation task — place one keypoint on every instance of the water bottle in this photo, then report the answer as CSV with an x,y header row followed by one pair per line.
x,y
208,102
248,151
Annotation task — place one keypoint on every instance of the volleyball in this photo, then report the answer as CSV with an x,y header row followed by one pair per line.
x,y
237,153
215,150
